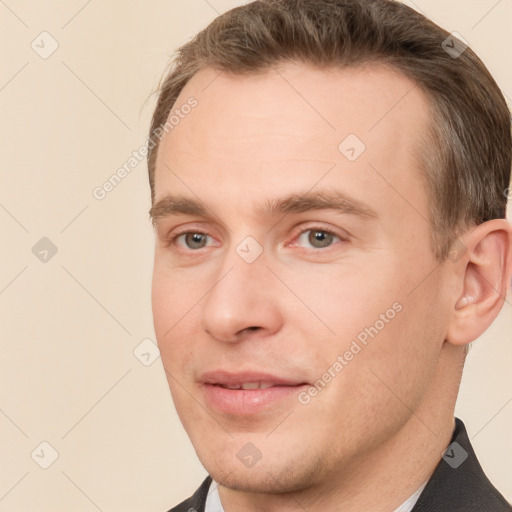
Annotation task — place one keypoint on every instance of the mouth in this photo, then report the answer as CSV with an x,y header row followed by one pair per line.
x,y
248,393
252,385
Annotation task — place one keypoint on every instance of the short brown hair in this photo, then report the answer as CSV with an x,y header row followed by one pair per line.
x,y
467,150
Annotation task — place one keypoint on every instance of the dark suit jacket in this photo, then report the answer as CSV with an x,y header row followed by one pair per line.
x,y
458,484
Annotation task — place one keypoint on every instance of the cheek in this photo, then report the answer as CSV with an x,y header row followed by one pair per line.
x,y
162,299
173,295
341,300
172,314
366,314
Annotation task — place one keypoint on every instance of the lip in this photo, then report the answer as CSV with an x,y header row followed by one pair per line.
x,y
225,378
241,402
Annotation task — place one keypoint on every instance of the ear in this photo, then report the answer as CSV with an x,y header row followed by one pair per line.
x,y
483,276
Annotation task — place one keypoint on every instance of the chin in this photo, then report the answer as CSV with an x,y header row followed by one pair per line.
x,y
266,476
260,482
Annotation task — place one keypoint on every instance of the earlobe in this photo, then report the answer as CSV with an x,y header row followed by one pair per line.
x,y
483,276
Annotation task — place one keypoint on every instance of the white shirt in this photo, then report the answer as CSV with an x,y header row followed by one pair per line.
x,y
213,503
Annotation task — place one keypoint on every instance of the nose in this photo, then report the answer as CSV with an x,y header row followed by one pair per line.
x,y
242,300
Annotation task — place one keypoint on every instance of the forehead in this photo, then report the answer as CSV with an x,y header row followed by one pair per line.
x,y
280,131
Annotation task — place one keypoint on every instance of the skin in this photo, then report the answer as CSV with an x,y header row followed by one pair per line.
x,y
376,432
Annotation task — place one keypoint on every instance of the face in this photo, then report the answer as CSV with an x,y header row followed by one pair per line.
x,y
294,294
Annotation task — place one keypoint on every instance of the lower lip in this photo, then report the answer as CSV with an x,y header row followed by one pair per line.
x,y
244,402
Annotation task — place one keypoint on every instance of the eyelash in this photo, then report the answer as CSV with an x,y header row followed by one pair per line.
x,y
173,238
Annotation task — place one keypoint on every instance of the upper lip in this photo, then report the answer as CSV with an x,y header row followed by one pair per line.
x,y
225,378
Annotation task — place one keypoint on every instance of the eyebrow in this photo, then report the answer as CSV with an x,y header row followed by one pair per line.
x,y
294,203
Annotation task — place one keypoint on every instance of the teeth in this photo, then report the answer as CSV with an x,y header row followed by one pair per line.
x,y
251,385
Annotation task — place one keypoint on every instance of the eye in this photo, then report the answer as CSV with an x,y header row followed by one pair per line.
x,y
191,240
317,238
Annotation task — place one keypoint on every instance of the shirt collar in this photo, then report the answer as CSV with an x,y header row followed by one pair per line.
x,y
213,503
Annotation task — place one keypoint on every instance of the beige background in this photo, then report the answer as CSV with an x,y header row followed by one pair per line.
x,y
70,325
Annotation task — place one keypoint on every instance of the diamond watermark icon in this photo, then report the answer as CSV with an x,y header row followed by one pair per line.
x,y
457,250
455,455
44,45
146,352
44,455
249,249
249,455
352,147
455,45
44,250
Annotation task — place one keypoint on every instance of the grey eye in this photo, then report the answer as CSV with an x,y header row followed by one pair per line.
x,y
317,238
195,240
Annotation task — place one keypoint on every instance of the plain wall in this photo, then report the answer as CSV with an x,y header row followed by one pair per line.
x,y
70,324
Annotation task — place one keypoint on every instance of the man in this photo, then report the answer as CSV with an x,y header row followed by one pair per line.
x,y
328,185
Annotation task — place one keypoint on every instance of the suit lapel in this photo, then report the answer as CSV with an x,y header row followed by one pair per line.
x,y
459,482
